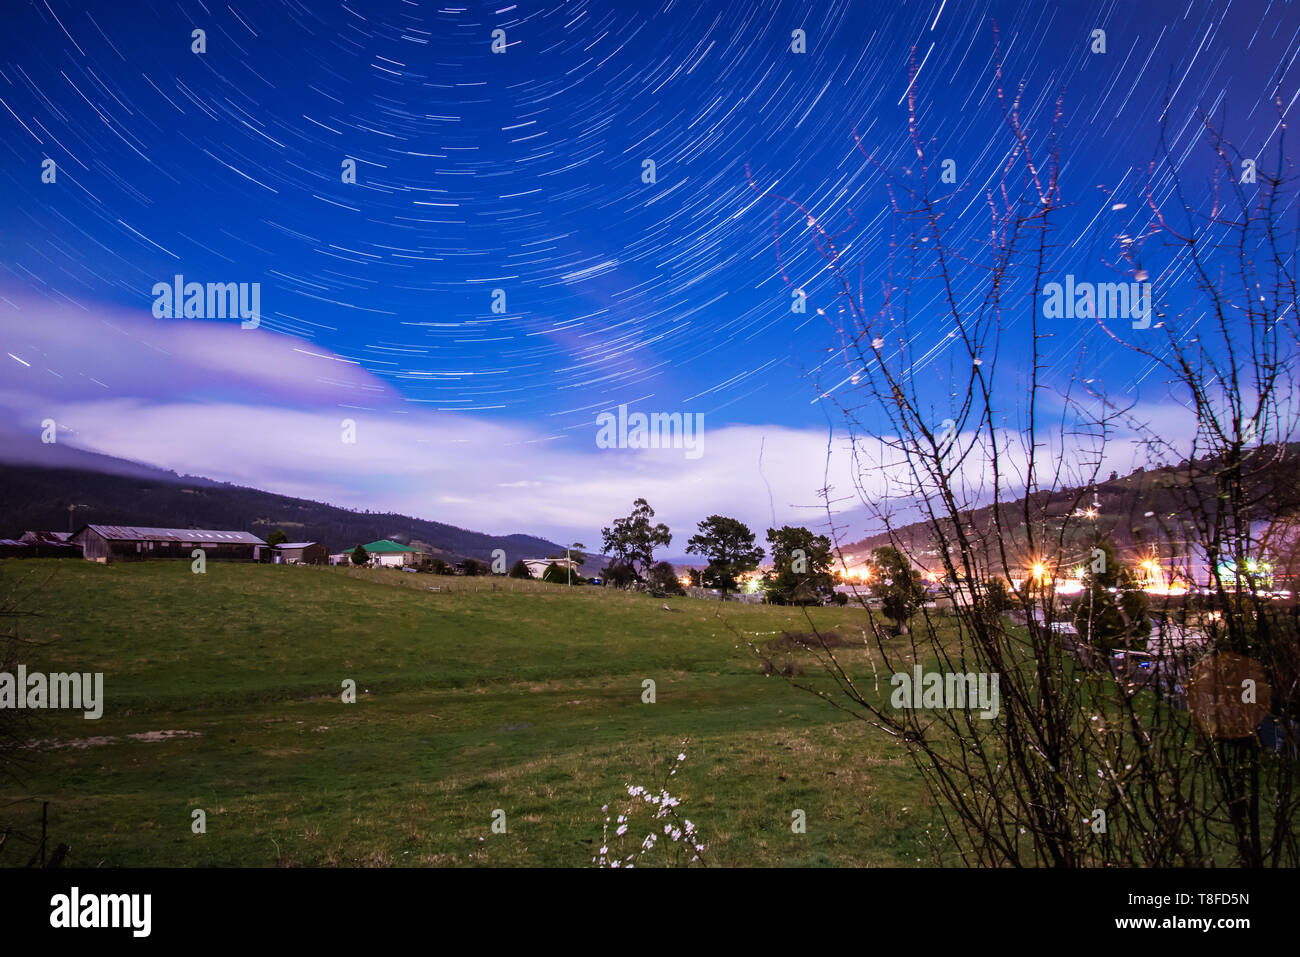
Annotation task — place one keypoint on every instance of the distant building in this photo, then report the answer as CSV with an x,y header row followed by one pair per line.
x,y
46,538
12,548
537,566
127,543
302,553
392,554
39,545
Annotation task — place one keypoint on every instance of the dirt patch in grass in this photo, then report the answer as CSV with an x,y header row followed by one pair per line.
x,y
162,735
808,641
54,744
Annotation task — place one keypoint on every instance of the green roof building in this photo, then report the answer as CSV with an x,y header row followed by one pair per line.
x,y
387,552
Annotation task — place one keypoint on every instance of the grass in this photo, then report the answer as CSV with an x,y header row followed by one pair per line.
x,y
527,700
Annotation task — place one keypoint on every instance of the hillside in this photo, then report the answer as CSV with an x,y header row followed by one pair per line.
x,y
35,497
1144,510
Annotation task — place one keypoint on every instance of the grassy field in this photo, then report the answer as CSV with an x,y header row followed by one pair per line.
x,y
528,701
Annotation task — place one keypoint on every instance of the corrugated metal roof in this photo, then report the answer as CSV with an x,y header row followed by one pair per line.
x,y
46,538
386,545
136,533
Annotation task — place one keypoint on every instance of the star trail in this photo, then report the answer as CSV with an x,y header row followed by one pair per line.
x,y
497,252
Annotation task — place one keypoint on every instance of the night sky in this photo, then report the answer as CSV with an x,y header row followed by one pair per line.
x,y
522,171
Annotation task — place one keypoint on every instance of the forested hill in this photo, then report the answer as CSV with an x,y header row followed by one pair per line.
x,y
35,497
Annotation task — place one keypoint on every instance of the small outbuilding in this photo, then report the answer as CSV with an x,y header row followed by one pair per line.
x,y
302,553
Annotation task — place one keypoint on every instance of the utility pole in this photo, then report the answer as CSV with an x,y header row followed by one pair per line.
x,y
70,509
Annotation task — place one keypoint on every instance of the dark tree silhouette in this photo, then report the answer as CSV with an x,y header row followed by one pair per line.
x,y
728,544
631,541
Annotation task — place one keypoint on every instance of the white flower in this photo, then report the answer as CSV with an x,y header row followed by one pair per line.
x,y
681,757
604,850
622,829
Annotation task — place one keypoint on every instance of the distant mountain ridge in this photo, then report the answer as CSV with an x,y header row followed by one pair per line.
x,y
1137,512
117,492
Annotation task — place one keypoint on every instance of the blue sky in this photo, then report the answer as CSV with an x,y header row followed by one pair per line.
x,y
522,172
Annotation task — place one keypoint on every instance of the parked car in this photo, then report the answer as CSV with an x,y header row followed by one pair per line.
x,y
1139,667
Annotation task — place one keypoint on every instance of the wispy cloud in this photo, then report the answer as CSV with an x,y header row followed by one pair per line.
x,y
260,409
266,410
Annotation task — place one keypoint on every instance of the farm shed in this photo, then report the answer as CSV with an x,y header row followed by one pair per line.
x,y
40,545
128,543
46,538
12,548
302,553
